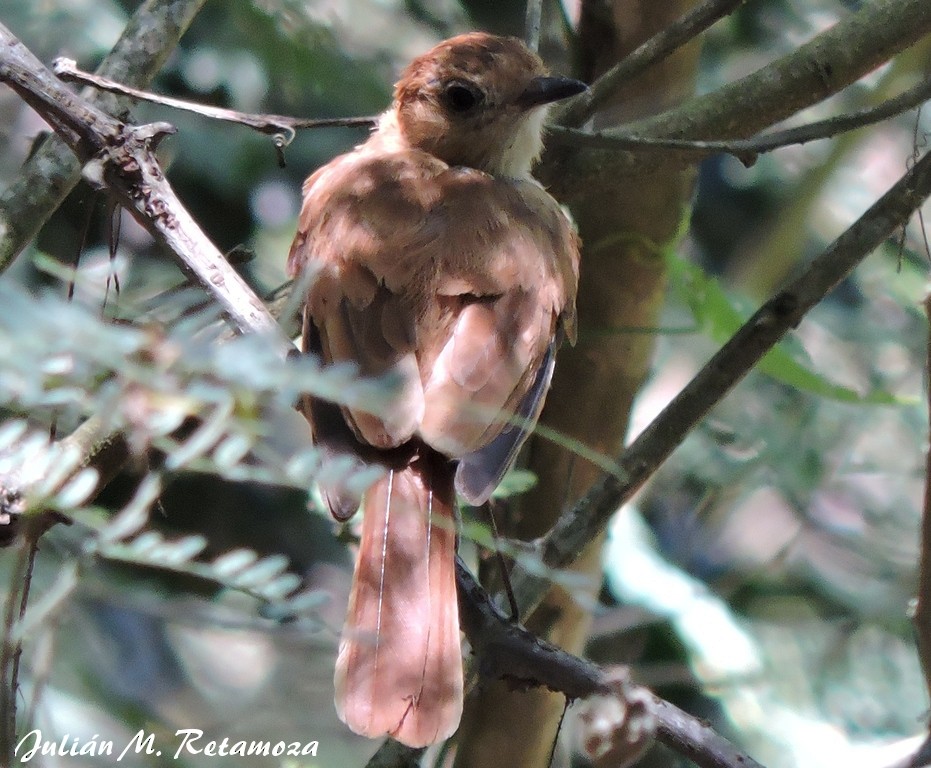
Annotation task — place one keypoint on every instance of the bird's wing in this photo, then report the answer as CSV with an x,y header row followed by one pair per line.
x,y
454,280
480,471
510,278
359,219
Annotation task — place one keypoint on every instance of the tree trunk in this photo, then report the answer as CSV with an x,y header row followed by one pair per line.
x,y
625,222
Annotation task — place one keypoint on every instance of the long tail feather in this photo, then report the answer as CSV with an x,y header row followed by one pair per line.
x,y
399,670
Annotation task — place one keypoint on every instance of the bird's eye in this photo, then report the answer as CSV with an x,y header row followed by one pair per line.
x,y
461,97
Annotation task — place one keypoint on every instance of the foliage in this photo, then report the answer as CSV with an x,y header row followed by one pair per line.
x,y
147,381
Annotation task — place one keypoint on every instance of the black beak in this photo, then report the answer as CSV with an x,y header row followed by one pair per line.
x,y
544,90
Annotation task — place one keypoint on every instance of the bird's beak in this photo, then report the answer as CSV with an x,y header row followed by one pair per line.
x,y
544,90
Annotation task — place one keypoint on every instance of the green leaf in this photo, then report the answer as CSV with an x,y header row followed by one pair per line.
x,y
719,316
514,483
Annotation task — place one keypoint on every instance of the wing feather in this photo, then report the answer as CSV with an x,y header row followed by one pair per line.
x,y
453,280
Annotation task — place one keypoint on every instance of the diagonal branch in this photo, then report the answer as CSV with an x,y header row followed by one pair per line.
x,y
747,150
823,66
831,61
122,159
508,651
67,70
580,524
697,20
52,172
695,739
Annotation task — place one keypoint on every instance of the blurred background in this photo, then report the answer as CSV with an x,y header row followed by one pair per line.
x,y
761,580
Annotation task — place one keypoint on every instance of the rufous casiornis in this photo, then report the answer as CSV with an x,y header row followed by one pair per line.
x,y
440,260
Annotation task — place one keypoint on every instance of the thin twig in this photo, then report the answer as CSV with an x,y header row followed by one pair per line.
x,y
840,55
658,47
280,125
919,141
42,662
580,524
747,150
32,545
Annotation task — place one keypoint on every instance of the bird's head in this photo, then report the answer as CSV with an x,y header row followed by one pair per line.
x,y
478,100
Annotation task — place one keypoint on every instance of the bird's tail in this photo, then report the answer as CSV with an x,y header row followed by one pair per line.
x,y
399,670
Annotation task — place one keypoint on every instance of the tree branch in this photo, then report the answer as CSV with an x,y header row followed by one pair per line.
x,y
532,23
67,70
695,739
580,524
747,150
577,110
825,65
52,172
507,651
121,159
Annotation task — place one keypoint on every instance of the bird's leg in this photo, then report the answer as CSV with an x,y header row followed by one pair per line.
x,y
489,508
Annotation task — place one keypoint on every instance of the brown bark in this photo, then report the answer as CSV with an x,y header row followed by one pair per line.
x,y
622,286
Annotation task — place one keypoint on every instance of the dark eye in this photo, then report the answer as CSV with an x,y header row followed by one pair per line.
x,y
461,97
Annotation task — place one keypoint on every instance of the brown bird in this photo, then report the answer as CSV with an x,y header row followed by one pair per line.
x,y
440,260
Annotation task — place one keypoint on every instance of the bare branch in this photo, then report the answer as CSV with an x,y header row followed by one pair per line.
x,y
11,648
67,70
825,65
696,740
52,172
658,47
747,150
103,449
580,524
508,651
121,159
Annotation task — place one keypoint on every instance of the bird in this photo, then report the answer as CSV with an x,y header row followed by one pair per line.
x,y
440,263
